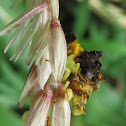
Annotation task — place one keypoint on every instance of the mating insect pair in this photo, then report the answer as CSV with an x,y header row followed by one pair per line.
x,y
82,74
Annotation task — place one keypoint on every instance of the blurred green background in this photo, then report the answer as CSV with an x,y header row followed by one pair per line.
x,y
98,25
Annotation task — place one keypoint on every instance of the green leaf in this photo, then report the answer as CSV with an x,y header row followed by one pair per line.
x,y
9,118
81,19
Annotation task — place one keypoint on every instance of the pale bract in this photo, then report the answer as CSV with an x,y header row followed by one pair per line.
x,y
40,109
61,113
32,80
57,50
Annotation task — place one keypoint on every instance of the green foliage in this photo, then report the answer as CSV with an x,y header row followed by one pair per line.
x,y
108,106
12,75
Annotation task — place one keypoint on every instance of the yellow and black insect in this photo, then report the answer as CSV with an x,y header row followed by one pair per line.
x,y
82,75
90,64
